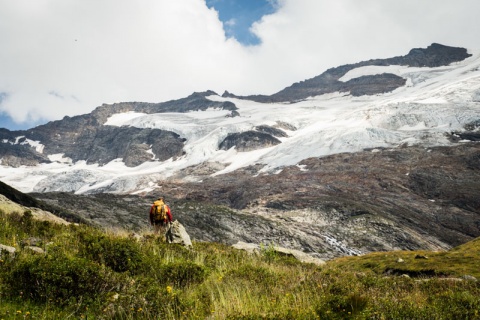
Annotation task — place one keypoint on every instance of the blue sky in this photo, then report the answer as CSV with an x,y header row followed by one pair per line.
x,y
66,57
239,15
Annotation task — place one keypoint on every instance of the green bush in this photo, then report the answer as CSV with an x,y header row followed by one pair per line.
x,y
57,277
181,273
119,254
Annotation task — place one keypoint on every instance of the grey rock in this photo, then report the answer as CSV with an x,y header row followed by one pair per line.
x,y
85,137
271,131
248,141
299,255
177,234
34,249
18,155
400,260
365,200
469,278
285,126
7,251
32,241
251,248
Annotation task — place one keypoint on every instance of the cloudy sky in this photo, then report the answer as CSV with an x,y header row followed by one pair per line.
x,y
66,57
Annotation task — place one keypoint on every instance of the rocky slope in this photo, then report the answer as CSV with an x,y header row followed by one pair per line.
x,y
407,198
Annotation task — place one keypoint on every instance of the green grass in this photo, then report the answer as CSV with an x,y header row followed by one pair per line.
x,y
92,274
460,261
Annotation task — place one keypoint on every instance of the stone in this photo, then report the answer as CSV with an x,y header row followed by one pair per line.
x,y
299,255
248,141
251,248
32,241
469,278
434,56
6,251
177,234
400,260
35,249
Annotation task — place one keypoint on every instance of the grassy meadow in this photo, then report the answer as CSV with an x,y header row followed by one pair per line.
x,y
87,273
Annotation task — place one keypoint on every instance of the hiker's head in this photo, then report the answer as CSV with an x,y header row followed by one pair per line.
x,y
160,198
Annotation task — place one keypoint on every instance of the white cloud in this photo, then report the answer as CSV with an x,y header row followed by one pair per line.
x,y
65,57
231,22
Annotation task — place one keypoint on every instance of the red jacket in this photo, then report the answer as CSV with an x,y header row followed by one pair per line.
x,y
157,203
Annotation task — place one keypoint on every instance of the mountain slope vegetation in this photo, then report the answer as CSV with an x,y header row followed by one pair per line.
x,y
89,273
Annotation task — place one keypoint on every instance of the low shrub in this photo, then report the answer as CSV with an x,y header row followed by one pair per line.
x,y
57,277
254,274
181,274
119,254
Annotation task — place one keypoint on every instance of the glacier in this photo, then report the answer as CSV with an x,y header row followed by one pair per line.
x,y
435,101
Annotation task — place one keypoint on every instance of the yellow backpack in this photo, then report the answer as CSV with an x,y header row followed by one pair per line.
x,y
160,212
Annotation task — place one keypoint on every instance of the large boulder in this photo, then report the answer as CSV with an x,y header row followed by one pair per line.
x,y
177,234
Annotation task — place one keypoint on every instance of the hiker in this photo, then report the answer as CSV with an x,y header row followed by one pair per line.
x,y
160,217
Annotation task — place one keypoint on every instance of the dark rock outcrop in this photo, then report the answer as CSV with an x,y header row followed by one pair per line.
x,y
248,141
271,131
20,155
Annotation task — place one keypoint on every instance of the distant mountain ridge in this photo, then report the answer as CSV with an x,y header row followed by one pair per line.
x,y
204,127
435,55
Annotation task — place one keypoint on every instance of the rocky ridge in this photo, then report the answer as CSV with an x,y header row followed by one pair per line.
x,y
433,56
86,138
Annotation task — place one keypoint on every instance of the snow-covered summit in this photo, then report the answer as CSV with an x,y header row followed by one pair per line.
x,y
434,102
